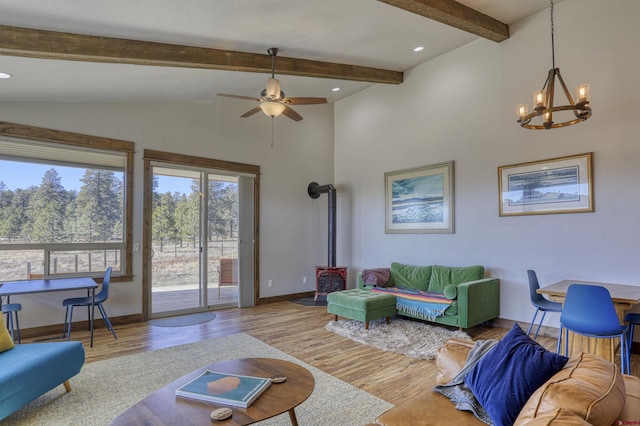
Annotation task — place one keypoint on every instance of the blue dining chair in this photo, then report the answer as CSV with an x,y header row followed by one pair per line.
x,y
589,311
100,298
542,305
11,310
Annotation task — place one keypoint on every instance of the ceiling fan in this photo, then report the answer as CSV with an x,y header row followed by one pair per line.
x,y
272,100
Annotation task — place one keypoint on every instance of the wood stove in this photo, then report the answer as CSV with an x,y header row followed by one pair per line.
x,y
331,277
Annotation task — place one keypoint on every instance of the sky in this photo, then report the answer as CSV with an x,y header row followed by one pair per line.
x,y
23,175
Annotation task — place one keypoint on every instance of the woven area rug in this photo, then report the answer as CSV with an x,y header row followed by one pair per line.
x,y
411,338
104,389
183,320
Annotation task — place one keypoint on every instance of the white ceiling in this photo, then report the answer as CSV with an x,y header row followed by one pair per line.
x,y
359,32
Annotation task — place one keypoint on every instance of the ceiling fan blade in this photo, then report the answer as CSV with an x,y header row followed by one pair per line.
x,y
246,98
251,112
304,101
292,114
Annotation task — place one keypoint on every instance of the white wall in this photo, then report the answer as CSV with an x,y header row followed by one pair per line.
x,y
292,225
461,107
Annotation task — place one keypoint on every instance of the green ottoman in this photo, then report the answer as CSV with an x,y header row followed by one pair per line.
x,y
361,305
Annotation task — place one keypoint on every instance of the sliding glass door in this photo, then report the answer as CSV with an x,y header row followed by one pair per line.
x,y
194,240
221,248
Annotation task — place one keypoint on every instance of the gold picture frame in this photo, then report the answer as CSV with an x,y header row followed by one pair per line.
x,y
420,200
557,185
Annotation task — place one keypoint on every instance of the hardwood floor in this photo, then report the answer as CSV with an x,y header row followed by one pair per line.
x,y
299,331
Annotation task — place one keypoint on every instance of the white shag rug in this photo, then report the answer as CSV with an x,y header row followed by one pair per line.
x,y
411,338
104,389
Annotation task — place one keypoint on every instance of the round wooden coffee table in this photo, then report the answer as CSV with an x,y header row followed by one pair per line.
x,y
164,408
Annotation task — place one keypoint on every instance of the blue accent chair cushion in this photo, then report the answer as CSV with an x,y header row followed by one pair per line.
x,y
31,369
504,379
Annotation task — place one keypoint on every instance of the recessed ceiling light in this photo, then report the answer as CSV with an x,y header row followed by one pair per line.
x,y
335,89
5,75
418,49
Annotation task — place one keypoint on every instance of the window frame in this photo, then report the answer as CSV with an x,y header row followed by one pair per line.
x,y
79,140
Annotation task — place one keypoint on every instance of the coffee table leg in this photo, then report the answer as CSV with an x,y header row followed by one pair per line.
x,y
292,416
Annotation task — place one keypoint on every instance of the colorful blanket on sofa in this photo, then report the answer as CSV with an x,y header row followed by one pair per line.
x,y
417,303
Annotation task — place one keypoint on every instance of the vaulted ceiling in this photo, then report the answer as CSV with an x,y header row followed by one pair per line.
x,y
189,50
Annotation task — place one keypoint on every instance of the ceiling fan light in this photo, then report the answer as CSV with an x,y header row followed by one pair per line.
x,y
273,88
272,109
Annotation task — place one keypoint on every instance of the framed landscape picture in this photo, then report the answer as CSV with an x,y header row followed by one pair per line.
x,y
558,185
419,200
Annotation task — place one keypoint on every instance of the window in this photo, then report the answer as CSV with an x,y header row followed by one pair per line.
x,y
65,204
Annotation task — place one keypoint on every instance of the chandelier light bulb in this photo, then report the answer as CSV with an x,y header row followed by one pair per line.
x,y
538,99
582,93
522,111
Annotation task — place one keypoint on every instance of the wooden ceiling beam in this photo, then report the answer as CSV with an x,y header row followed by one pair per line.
x,y
456,15
34,43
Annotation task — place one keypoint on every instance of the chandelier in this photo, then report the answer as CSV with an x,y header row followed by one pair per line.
x,y
543,99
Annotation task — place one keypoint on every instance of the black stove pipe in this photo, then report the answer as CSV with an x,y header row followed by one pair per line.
x,y
314,190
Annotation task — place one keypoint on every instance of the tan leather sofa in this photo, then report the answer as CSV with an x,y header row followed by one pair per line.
x,y
588,390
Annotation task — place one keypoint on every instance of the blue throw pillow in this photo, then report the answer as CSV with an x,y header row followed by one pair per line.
x,y
504,379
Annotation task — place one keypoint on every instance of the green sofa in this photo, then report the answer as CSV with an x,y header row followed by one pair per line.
x,y
473,298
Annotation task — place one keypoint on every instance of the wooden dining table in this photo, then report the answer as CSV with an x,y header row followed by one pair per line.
x,y
624,297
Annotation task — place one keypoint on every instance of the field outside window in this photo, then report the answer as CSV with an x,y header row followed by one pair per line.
x,y
62,211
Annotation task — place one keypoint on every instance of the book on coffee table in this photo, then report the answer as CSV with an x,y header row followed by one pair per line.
x,y
225,388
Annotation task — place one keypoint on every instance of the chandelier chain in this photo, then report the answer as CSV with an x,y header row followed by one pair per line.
x,y
553,45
